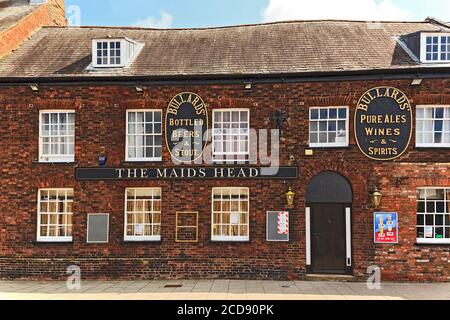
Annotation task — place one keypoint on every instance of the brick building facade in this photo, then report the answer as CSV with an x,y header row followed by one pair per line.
x,y
102,100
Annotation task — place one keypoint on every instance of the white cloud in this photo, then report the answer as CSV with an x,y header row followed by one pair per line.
x,y
334,9
164,22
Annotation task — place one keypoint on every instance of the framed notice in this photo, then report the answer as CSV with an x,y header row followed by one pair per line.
x,y
386,227
186,227
277,226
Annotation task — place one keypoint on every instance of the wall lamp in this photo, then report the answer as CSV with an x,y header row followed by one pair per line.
x,y
34,87
290,197
416,82
376,198
139,89
248,86
280,117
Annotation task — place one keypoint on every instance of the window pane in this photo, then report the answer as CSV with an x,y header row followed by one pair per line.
x,y
230,212
143,212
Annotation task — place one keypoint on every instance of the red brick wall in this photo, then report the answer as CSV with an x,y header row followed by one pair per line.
x,y
50,14
100,122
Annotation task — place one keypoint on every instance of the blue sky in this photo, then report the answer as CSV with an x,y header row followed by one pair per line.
x,y
203,13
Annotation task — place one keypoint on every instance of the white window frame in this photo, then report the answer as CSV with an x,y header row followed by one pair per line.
x,y
230,156
434,240
55,158
140,238
230,238
142,159
40,238
444,119
107,228
328,144
423,47
109,64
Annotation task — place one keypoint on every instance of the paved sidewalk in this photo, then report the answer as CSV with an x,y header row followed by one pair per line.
x,y
220,290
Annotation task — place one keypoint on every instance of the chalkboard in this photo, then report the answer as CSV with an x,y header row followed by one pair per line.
x,y
272,228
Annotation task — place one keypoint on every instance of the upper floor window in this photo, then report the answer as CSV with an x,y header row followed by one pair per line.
x,y
57,136
55,215
109,53
433,126
231,135
435,47
114,53
144,135
328,127
433,215
143,214
230,214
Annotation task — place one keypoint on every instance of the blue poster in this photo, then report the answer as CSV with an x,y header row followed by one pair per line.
x,y
386,227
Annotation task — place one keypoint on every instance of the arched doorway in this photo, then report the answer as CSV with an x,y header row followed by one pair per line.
x,y
328,224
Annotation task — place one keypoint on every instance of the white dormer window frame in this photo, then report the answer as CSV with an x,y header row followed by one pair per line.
x,y
114,52
107,53
435,47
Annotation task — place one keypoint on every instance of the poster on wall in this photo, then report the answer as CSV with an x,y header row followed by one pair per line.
x,y
277,226
386,227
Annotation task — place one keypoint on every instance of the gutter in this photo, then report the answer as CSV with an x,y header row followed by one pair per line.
x,y
360,75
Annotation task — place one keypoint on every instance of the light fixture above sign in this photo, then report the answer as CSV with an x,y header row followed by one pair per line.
x,y
376,198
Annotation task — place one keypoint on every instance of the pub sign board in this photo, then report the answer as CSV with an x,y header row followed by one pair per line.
x,y
194,173
383,123
186,125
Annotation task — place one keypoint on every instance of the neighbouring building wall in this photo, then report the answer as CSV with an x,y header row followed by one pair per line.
x,y
51,13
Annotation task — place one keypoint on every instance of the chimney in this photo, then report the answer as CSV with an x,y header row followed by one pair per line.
x,y
56,11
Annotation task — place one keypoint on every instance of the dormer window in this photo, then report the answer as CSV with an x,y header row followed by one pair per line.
x,y
109,53
435,48
114,53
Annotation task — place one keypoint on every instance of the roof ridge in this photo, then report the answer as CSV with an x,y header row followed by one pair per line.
x,y
439,22
247,25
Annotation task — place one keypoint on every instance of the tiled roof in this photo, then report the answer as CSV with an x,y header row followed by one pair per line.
x,y
274,48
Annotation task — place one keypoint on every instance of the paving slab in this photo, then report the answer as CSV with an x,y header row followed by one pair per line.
x,y
220,290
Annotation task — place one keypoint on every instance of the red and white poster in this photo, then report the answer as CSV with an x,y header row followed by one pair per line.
x,y
283,223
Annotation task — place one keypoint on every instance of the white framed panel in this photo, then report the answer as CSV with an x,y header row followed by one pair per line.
x,y
308,235
348,235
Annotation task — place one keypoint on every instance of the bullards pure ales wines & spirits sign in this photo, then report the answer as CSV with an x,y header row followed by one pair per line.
x,y
186,125
383,123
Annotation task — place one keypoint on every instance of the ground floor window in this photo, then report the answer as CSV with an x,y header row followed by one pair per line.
x,y
230,214
55,215
433,215
143,214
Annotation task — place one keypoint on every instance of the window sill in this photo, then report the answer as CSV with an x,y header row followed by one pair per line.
x,y
52,242
427,148
329,147
141,162
433,243
56,162
140,241
226,241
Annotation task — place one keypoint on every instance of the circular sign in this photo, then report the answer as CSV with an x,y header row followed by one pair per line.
x,y
186,125
383,123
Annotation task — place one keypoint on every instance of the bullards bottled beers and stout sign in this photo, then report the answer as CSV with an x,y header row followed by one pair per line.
x,y
186,124
383,123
